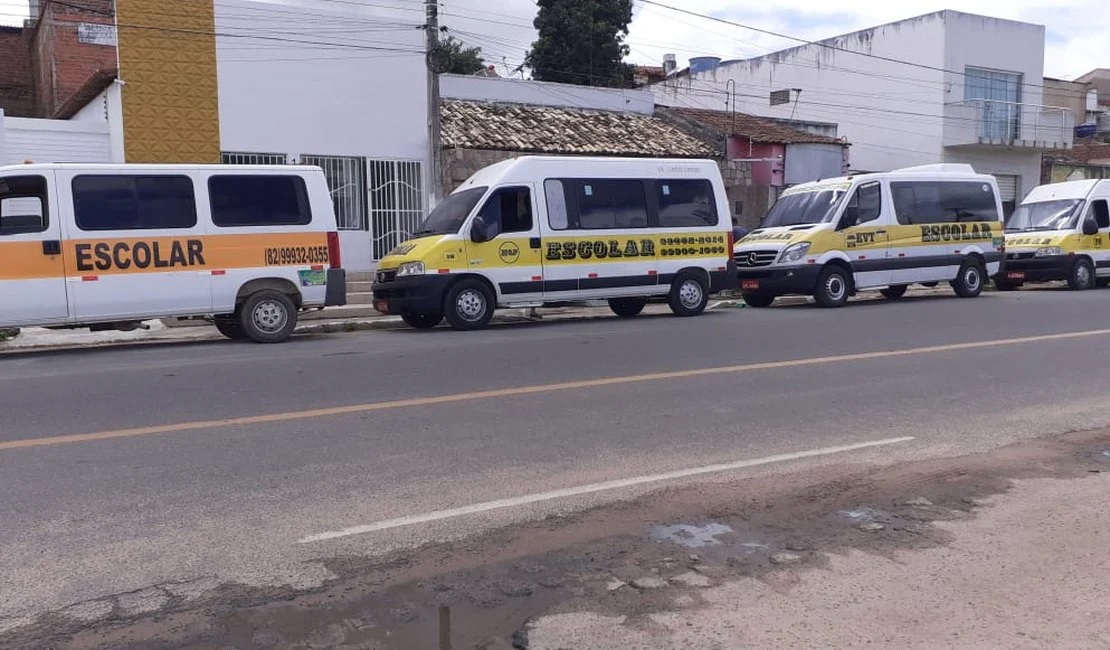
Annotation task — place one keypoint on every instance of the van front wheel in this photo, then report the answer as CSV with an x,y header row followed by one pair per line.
x,y
833,287
421,321
627,307
1082,275
469,305
230,327
268,316
689,295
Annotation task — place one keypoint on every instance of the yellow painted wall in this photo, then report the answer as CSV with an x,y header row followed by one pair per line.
x,y
167,51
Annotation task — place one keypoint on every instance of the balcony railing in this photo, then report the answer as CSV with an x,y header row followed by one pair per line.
x,y
1007,124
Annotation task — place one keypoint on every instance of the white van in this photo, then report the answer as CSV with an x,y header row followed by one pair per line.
x,y
539,231
107,246
1061,231
886,231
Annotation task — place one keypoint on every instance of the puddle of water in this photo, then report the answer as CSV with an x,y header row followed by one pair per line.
x,y
691,536
863,514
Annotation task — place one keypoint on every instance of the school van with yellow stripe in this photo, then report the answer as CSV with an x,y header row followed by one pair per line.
x,y
885,231
108,246
540,231
1061,231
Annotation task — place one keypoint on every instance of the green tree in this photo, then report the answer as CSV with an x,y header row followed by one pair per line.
x,y
582,42
452,57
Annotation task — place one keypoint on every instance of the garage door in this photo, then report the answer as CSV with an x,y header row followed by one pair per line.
x,y
1008,192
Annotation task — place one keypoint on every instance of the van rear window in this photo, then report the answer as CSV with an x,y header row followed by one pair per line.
x,y
686,204
125,202
259,200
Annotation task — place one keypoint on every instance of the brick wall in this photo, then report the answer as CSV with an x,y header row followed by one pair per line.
x,y
63,64
17,87
753,200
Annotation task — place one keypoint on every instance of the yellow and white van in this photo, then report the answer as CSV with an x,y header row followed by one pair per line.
x,y
1060,231
885,231
107,246
539,231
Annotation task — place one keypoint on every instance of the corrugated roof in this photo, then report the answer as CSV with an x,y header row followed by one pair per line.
x,y
1095,153
544,129
759,129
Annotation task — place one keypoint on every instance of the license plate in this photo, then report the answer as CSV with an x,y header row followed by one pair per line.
x,y
381,306
752,285
1015,275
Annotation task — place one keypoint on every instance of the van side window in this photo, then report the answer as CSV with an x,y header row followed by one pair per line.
x,y
686,203
123,202
510,209
864,206
556,197
1101,212
23,205
604,204
943,202
257,200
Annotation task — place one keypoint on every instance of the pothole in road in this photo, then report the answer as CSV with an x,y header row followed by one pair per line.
x,y
691,536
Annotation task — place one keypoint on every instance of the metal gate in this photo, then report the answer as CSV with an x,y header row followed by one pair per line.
x,y
396,203
346,178
1008,192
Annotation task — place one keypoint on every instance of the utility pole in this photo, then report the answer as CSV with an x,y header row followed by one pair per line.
x,y
431,40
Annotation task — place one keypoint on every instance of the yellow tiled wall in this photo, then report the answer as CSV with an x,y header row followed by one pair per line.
x,y
167,51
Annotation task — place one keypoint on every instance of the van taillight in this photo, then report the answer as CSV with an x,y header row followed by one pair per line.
x,y
731,241
333,250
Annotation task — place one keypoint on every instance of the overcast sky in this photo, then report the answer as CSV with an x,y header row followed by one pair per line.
x,y
1076,41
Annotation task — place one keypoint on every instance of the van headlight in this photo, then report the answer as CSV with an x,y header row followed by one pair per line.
x,y
410,268
1048,251
794,252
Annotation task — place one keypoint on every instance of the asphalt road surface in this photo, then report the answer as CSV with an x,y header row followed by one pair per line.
x,y
216,463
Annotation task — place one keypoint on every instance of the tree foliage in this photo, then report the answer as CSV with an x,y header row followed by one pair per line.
x,y
453,57
582,42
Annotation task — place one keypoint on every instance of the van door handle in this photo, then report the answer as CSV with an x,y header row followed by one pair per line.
x,y
880,232
51,247
534,242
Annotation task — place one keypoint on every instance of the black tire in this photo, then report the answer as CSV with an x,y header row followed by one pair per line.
x,y
1081,277
422,321
230,327
627,307
1005,285
1102,282
970,280
929,284
834,285
689,294
268,316
894,293
758,300
469,305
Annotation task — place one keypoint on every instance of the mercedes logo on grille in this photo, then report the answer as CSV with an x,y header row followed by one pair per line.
x,y
753,257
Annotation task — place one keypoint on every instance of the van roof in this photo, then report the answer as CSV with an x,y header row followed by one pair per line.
x,y
1066,190
522,167
954,170
133,167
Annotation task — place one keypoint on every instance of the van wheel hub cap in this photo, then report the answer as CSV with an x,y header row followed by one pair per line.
x,y
270,316
834,286
471,305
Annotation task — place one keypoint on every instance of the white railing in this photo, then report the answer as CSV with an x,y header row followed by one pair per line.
x,y
991,122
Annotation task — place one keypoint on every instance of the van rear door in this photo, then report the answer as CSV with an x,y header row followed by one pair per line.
x,y
32,267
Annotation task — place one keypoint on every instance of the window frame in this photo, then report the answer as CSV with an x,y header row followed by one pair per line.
x,y
853,203
941,185
710,194
300,185
134,180
572,192
497,193
1093,212
44,199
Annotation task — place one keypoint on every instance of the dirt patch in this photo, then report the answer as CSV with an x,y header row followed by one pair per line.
x,y
627,560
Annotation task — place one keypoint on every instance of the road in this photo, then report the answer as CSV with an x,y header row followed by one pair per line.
x,y
219,463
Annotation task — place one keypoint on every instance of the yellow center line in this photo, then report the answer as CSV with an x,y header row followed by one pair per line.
x,y
528,390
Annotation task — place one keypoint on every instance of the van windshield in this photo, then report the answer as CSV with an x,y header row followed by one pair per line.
x,y
1062,214
804,208
448,217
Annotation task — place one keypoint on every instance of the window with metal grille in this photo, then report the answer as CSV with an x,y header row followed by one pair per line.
x,y
346,177
396,203
244,158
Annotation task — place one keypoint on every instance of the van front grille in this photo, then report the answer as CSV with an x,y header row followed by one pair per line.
x,y
751,259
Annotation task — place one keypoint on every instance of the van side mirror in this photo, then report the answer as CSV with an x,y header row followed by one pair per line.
x,y
1090,226
478,231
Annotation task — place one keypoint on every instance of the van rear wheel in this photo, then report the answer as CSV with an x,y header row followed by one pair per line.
x,y
627,307
268,316
689,295
230,327
969,282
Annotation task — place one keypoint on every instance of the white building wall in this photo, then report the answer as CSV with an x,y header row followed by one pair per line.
x,y
892,113
520,91
323,78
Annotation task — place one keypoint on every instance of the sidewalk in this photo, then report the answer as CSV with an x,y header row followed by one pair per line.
x,y
36,338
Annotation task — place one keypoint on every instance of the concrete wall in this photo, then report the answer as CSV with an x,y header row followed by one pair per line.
x,y
94,135
519,91
1067,94
892,113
